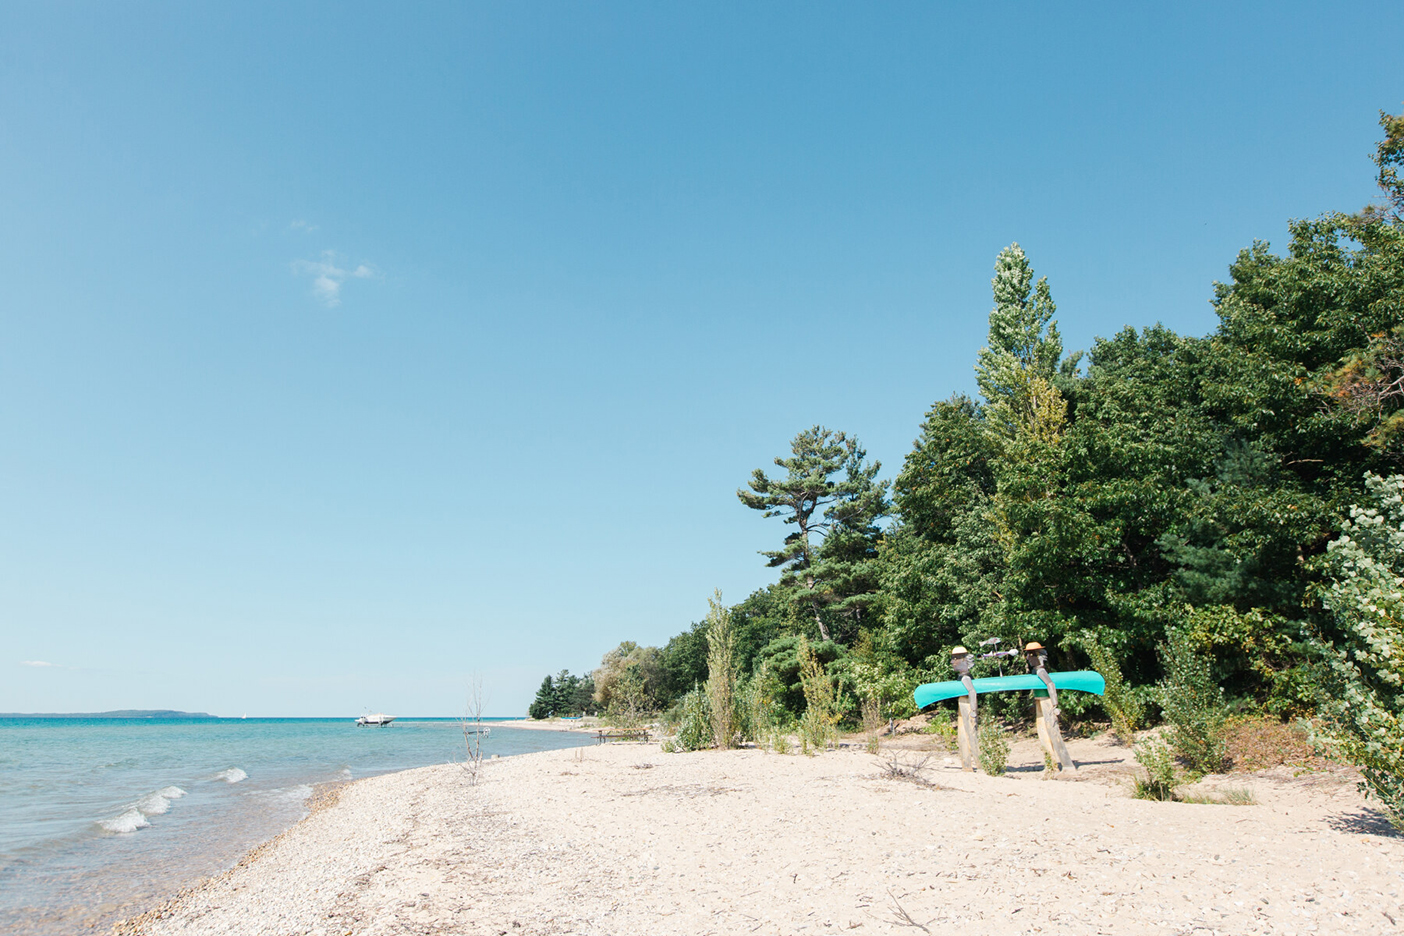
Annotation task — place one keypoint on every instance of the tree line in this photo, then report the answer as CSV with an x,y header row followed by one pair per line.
x,y
1158,488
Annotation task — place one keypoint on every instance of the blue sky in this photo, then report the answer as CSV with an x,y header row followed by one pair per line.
x,y
349,350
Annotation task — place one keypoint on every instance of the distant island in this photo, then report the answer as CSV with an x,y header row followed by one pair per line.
x,y
119,713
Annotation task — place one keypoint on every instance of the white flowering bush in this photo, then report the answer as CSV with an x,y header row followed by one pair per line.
x,y
1365,707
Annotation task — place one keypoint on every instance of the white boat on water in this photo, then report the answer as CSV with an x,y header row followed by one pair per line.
x,y
378,720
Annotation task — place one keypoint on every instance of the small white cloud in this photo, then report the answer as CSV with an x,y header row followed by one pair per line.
x,y
328,275
36,663
305,227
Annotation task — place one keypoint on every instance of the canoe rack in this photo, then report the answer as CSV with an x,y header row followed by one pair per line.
x,y
967,691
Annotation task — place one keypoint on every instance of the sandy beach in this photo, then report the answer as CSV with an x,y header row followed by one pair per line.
x,y
624,839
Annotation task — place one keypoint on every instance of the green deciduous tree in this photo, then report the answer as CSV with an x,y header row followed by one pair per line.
x,y
1389,158
942,565
630,680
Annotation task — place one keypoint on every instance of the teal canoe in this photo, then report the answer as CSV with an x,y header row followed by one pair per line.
x,y
1080,680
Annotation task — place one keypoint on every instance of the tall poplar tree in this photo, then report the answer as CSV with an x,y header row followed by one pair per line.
x,y
1016,369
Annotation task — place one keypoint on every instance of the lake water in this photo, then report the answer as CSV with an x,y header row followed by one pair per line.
x,y
101,818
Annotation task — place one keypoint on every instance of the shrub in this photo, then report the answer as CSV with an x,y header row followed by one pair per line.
x,y
628,702
1364,703
762,716
694,723
872,723
1193,705
1125,710
994,748
721,672
1155,756
823,704
943,728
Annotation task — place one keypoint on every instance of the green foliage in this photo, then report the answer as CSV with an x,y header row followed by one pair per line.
x,y
1389,157
695,731
630,682
1090,509
781,660
721,672
994,747
565,695
881,680
1162,776
943,728
764,719
818,726
1193,705
683,661
1124,709
1024,352
628,700
942,566
755,622
1259,654
1364,704
828,563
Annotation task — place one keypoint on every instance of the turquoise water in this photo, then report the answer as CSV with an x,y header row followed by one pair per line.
x,y
100,818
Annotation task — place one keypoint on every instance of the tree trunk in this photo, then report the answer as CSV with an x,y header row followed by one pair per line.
x,y
809,582
814,606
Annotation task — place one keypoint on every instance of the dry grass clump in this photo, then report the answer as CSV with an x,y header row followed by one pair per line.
x,y
1256,742
1234,797
911,771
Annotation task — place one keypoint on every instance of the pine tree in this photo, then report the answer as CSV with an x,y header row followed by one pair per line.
x,y
848,558
543,706
818,505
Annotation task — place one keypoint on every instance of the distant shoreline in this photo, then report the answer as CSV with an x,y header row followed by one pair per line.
x,y
118,713
158,714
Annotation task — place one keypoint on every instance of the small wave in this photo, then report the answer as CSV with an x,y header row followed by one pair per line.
x,y
232,775
345,773
296,794
128,822
154,804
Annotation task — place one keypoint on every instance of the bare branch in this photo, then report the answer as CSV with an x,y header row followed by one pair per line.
x,y
903,917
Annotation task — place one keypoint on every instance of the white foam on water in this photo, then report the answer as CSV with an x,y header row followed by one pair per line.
x,y
128,822
296,794
154,804
135,817
345,773
232,775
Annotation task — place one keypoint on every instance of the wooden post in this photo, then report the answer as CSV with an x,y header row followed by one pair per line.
x,y
965,733
1045,716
